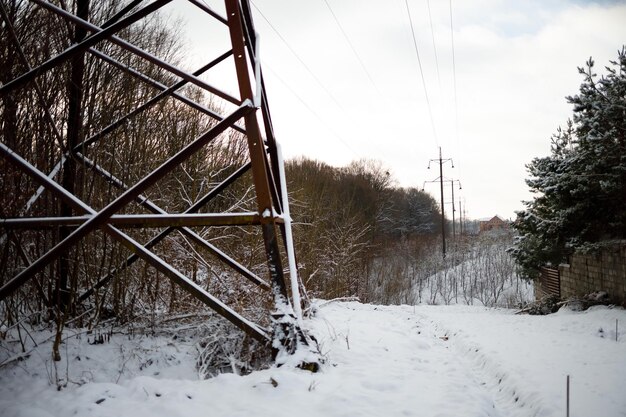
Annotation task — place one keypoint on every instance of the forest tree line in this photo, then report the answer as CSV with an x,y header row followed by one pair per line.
x,y
348,219
360,235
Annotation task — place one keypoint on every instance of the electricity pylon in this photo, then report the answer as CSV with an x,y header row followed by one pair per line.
x,y
81,219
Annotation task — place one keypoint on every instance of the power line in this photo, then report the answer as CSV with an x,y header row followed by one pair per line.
x,y
456,107
313,112
345,35
432,34
297,57
419,61
309,108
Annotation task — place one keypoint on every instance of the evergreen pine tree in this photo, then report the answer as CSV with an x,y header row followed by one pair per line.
x,y
581,187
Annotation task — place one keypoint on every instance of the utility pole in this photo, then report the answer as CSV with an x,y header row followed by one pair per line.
x,y
453,211
453,208
452,202
443,217
442,161
460,217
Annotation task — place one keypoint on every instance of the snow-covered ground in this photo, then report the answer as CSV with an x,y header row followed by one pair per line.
x,y
381,361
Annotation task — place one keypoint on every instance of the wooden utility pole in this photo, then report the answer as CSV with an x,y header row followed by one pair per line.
x,y
442,161
443,216
460,218
453,211
454,208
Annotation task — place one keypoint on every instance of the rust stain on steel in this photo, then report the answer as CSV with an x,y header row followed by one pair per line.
x,y
140,220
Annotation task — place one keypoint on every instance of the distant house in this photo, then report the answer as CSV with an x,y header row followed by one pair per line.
x,y
495,223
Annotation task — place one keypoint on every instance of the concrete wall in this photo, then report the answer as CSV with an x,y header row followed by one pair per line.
x,y
587,273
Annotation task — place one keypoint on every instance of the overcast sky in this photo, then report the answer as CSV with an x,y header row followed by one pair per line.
x,y
340,98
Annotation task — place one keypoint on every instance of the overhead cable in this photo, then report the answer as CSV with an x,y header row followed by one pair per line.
x,y
419,62
432,34
356,54
313,112
298,57
456,107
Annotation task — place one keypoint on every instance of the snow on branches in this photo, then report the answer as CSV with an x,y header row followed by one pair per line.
x,y
581,187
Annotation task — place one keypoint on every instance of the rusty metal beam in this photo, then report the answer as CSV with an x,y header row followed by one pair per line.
x,y
26,260
141,220
135,50
191,287
258,156
165,92
249,327
145,202
252,46
130,6
191,234
209,11
288,335
101,217
80,47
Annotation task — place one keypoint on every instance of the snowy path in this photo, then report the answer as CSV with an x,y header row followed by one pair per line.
x,y
427,361
493,363
524,360
399,364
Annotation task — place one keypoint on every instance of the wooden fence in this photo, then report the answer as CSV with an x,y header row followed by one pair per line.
x,y
549,283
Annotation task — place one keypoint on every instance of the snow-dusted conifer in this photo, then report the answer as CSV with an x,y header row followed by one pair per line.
x,y
581,187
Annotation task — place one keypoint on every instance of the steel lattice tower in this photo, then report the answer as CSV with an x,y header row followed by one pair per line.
x,y
80,218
